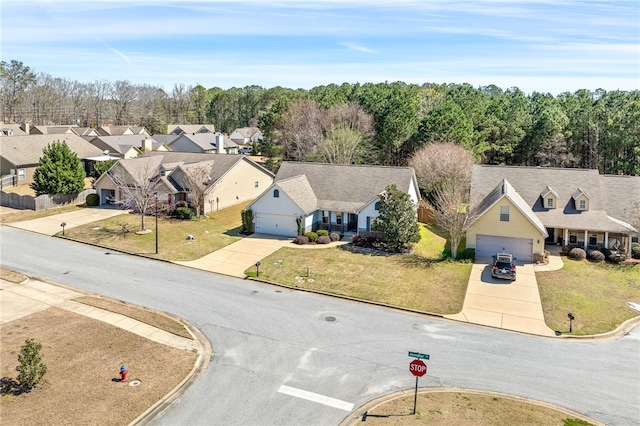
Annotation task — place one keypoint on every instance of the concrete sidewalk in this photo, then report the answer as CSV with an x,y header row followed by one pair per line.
x,y
20,300
511,305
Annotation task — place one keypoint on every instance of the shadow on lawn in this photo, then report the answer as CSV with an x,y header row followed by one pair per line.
x,y
9,386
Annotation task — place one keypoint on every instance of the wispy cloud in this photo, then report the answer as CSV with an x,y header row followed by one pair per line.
x,y
119,53
357,47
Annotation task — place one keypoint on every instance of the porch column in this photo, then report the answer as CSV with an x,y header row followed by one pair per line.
x,y
628,244
565,237
606,239
586,239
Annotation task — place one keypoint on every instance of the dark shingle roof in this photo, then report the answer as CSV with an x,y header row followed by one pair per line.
x,y
532,182
345,187
27,150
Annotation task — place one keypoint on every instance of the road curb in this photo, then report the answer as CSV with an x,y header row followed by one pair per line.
x,y
356,416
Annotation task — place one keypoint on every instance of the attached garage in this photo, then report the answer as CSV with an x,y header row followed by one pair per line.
x,y
520,248
276,224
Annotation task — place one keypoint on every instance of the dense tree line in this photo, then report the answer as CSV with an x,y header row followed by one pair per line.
x,y
382,123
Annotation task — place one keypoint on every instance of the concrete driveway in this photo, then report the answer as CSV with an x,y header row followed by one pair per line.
x,y
512,305
236,258
50,225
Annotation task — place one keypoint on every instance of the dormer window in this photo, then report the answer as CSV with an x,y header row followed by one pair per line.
x,y
549,198
276,193
581,199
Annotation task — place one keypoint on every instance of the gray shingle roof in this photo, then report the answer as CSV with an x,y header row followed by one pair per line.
x,y
532,182
340,187
27,150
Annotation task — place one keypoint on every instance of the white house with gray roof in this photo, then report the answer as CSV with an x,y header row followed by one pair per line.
x,y
336,197
522,208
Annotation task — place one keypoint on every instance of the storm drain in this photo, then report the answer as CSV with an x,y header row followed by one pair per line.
x,y
135,383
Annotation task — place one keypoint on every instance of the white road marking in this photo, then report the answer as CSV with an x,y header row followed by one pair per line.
x,y
316,397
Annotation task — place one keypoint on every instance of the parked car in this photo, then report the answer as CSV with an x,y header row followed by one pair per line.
x,y
504,266
245,150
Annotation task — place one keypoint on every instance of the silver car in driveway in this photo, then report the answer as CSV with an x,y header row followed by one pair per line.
x,y
504,266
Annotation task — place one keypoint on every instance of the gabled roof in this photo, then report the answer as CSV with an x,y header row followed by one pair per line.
x,y
603,191
121,130
505,190
346,187
123,143
207,141
548,191
579,192
246,132
27,150
11,130
178,129
299,190
165,139
53,130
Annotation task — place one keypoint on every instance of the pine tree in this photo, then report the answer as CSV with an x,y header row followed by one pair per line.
x,y
59,171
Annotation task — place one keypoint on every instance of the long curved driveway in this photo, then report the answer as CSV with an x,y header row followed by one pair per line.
x,y
285,357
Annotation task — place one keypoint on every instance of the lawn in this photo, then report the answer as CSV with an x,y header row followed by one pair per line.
x,y
595,293
420,281
210,233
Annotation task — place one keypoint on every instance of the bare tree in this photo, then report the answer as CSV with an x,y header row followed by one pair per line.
x,y
346,129
439,164
453,213
97,92
197,178
300,130
632,214
139,184
122,93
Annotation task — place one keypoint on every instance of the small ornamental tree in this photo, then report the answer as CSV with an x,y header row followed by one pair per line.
x,y
31,368
397,220
59,171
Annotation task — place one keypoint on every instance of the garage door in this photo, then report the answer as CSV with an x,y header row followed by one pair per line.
x,y
520,248
276,224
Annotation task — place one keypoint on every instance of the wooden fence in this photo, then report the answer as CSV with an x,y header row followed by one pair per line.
x,y
42,202
425,215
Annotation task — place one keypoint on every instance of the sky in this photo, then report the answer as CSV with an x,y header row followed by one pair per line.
x,y
549,46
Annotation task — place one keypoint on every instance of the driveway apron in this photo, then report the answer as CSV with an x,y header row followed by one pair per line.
x,y
51,225
511,305
236,258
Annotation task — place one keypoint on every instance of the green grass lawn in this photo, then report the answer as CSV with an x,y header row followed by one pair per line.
x,y
419,281
210,233
595,293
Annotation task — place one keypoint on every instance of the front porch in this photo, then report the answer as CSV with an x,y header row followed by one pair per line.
x,y
590,240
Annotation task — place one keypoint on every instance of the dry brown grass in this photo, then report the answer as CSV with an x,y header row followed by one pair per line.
x,y
11,276
463,409
83,356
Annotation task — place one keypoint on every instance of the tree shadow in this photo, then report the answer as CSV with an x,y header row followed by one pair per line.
x,y
415,261
9,386
235,232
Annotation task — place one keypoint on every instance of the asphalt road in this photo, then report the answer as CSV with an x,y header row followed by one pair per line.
x,y
285,357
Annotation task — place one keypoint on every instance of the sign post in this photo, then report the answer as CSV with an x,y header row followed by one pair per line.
x,y
418,369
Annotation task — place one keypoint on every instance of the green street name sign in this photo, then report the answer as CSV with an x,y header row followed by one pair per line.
x,y
418,355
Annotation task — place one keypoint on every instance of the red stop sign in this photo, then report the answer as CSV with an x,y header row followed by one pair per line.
x,y
418,368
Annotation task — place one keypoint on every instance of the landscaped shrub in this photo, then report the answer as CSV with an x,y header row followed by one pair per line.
x,y
323,239
578,254
606,252
31,368
467,254
312,236
247,220
564,250
301,239
334,236
184,213
92,200
596,256
182,204
616,258
635,250
322,233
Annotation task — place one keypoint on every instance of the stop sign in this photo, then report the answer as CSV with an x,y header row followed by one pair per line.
x,y
418,368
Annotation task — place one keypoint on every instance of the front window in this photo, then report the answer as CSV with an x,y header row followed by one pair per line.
x,y
325,216
256,184
573,238
593,239
504,213
22,174
377,206
339,218
276,193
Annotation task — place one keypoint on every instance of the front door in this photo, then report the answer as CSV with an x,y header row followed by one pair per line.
x,y
353,223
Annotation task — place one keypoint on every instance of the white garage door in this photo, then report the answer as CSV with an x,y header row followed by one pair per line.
x,y
276,224
520,248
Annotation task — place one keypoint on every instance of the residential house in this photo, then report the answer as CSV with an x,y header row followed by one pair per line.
x,y
246,135
122,130
229,179
54,130
13,129
522,208
336,197
127,146
181,129
209,143
20,155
